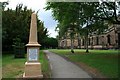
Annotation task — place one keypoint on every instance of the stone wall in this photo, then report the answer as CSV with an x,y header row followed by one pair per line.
x,y
108,40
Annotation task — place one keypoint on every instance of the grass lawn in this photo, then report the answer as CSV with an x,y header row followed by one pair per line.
x,y
0,66
105,61
12,68
45,65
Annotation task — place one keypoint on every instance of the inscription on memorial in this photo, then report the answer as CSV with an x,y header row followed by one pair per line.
x,y
33,54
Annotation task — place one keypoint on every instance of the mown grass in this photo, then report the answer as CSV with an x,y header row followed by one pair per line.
x,y
45,65
105,61
67,51
0,66
14,67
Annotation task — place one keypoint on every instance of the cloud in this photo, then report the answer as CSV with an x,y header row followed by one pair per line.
x,y
43,15
33,4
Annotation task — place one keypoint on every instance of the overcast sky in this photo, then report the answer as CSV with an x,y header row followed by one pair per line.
x,y
36,5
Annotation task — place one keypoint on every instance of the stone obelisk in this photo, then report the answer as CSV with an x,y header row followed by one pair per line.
x,y
33,66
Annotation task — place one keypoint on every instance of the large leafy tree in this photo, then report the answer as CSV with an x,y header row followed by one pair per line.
x,y
89,21
108,11
16,25
97,14
65,14
91,15
50,42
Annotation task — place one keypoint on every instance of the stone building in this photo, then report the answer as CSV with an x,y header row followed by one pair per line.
x,y
110,39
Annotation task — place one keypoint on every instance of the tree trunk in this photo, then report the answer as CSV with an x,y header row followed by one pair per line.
x,y
79,42
66,40
87,51
72,46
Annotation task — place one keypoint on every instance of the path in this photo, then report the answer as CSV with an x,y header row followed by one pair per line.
x,y
62,68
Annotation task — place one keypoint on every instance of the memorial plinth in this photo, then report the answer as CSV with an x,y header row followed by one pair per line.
x,y
33,66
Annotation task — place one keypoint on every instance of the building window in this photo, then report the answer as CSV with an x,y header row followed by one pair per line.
x,y
97,41
118,40
89,41
102,40
108,40
62,44
83,42
92,41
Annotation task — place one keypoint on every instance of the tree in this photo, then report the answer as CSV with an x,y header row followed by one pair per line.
x,y
66,21
16,24
50,42
83,15
42,33
4,4
100,14
108,11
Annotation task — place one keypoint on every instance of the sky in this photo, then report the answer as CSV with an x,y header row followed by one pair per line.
x,y
45,16
35,5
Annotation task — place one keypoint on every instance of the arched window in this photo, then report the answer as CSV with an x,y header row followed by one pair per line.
x,y
118,40
83,42
89,41
97,41
92,41
102,40
108,39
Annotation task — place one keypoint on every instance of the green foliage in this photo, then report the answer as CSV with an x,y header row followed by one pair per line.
x,y
83,17
17,42
65,14
50,42
89,13
16,25
3,4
